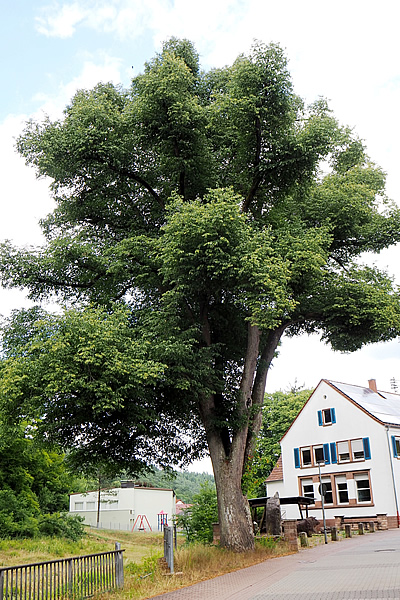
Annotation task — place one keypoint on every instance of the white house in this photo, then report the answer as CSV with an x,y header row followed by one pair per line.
x,y
130,507
351,436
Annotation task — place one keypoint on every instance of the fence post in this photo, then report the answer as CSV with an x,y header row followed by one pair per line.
x,y
119,566
1,584
169,547
70,577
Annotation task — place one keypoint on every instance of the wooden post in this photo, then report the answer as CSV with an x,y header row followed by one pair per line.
x,y
361,529
334,536
371,526
347,529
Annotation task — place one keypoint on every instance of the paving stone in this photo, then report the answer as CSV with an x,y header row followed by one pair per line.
x,y
359,568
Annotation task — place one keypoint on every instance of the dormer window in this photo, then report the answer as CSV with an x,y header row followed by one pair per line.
x,y
326,416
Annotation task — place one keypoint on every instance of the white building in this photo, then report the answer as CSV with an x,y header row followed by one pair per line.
x,y
354,435
129,508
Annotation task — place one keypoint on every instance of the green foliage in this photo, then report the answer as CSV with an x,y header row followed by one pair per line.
x,y
278,413
186,485
34,488
221,212
102,377
147,567
266,541
197,521
62,525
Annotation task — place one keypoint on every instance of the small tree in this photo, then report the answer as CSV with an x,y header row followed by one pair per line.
x,y
278,413
198,519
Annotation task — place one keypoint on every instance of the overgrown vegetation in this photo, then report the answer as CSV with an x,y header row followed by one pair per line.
x,y
197,520
145,575
34,488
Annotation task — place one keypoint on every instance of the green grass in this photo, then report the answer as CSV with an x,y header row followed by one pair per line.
x,y
145,572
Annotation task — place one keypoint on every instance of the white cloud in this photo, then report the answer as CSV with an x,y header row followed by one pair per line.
x,y
106,70
61,21
306,359
25,199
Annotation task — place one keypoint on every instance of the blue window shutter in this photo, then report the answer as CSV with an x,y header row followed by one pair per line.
x,y
297,458
394,446
367,449
320,417
326,454
333,415
333,452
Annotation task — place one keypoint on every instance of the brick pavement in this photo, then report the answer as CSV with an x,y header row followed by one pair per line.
x,y
362,568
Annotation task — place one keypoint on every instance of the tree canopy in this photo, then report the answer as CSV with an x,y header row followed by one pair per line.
x,y
221,212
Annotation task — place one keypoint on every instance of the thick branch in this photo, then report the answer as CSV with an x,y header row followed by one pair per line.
x,y
138,179
258,391
257,160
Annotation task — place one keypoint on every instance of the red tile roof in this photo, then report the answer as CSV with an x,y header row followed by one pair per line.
x,y
277,472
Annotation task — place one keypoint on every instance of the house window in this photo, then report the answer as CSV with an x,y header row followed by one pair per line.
x,y
78,505
357,449
363,487
326,416
341,490
343,451
396,446
326,490
306,459
319,456
90,505
307,487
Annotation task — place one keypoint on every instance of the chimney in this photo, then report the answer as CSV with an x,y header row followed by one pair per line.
x,y
372,385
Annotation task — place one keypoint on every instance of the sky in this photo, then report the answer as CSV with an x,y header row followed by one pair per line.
x,y
346,51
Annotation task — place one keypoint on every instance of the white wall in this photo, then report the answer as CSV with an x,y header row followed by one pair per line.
x,y
122,508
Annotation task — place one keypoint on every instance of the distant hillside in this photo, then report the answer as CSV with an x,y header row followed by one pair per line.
x,y
186,485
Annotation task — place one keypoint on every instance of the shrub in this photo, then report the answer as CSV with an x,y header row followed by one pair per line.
x,y
62,525
197,521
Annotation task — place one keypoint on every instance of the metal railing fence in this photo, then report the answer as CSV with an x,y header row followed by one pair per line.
x,y
77,577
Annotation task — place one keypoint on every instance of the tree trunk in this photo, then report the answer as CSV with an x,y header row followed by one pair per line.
x,y
230,453
236,528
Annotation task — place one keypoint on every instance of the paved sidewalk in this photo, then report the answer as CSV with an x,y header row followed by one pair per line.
x,y
361,568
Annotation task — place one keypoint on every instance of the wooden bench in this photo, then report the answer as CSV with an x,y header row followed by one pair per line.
x,y
380,521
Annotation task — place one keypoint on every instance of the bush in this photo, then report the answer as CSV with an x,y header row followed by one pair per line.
x,y
197,521
18,514
62,525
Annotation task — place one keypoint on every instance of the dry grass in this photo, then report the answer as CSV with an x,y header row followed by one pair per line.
x,y
21,551
145,574
192,564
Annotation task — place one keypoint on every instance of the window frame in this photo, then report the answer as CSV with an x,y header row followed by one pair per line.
x,y
336,479
357,477
327,416
310,483
353,457
341,480
306,449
